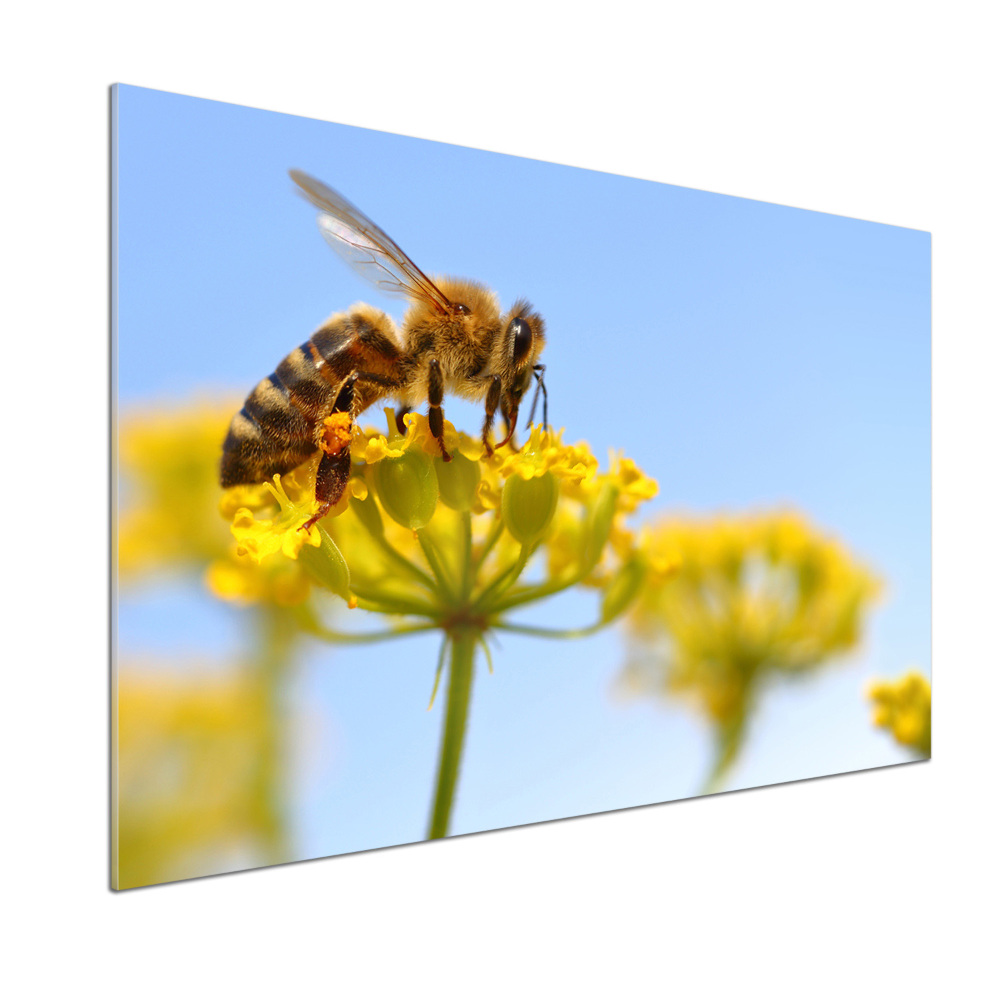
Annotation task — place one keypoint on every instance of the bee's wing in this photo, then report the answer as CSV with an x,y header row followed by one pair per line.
x,y
367,248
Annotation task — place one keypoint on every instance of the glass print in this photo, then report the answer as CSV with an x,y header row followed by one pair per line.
x,y
680,543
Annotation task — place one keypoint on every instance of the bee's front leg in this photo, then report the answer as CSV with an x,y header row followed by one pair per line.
x,y
435,415
492,402
539,372
511,419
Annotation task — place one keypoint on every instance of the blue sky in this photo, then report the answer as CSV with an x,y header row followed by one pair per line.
x,y
746,355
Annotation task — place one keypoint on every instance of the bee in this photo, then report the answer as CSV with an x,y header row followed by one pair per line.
x,y
453,338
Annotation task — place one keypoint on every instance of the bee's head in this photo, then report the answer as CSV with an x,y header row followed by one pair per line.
x,y
521,344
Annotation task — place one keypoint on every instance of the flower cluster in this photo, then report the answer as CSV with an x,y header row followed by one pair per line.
x,y
755,597
904,708
169,519
449,541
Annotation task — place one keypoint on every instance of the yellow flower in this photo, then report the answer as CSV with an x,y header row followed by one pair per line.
x,y
729,602
369,446
634,485
169,462
544,452
404,503
189,747
904,708
239,579
281,533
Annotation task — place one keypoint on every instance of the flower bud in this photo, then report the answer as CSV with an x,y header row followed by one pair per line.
x,y
601,520
407,486
327,565
528,506
457,481
622,589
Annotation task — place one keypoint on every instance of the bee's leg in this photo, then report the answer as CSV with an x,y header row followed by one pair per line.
x,y
435,415
510,436
400,413
511,419
331,481
540,385
492,402
334,439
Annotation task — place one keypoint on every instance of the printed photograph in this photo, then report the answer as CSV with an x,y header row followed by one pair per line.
x,y
456,491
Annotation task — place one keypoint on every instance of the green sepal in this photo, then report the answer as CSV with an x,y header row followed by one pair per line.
x,y
528,506
407,487
623,588
457,481
327,566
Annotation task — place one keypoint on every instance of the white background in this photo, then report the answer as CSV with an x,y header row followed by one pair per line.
x,y
871,884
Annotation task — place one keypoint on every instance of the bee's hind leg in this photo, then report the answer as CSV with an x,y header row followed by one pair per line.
x,y
435,415
334,440
331,480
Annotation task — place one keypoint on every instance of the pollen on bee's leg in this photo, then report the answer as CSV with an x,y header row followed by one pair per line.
x,y
336,433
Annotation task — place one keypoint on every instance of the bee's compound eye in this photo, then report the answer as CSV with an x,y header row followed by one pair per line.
x,y
462,310
521,334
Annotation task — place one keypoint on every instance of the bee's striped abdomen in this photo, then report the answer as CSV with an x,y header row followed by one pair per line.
x,y
273,433
275,430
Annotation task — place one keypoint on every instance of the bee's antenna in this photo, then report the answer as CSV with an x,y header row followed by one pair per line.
x,y
539,371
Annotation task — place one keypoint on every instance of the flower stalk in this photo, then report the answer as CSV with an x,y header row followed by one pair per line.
x,y
463,645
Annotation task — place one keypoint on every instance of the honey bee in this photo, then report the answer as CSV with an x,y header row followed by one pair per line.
x,y
453,338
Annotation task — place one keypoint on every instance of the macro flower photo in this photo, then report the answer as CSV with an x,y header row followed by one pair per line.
x,y
400,556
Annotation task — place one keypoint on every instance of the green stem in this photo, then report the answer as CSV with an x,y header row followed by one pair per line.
x,y
532,594
400,560
494,536
467,576
274,652
552,633
436,563
315,628
729,738
442,653
506,578
564,633
463,654
372,600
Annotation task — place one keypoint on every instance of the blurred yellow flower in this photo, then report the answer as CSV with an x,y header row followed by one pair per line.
x,y
190,746
169,518
904,708
754,597
169,462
